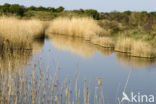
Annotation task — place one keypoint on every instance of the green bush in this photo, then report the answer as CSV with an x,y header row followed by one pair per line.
x,y
17,9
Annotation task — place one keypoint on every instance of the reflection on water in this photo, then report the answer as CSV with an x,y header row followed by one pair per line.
x,y
12,61
78,46
37,45
15,60
75,45
18,85
134,61
104,51
86,49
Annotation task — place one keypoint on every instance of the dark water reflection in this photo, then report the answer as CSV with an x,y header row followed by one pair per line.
x,y
75,56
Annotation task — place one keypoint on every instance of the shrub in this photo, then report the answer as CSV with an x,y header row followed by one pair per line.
x,y
17,9
110,26
60,9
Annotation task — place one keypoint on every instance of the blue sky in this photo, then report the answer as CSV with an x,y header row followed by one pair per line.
x,y
100,5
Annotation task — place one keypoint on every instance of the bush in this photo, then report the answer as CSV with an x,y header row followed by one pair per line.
x,y
92,13
110,26
17,9
60,9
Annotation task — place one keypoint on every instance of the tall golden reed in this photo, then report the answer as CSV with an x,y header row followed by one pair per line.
x,y
137,48
81,27
124,44
17,33
103,41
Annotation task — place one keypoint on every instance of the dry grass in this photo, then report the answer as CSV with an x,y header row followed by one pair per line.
x,y
143,49
103,41
81,27
17,33
124,45
136,48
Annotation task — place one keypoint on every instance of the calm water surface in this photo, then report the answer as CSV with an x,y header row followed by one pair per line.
x,y
74,56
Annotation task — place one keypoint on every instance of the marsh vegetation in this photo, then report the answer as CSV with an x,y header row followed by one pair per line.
x,y
19,34
32,39
89,29
75,26
25,31
123,31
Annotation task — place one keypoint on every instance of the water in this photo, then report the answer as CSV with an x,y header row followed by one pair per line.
x,y
74,56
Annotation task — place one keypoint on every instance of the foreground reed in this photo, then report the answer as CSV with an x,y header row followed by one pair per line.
x,y
18,34
81,27
39,86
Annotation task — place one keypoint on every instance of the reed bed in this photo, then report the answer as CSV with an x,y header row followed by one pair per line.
x,y
18,34
81,27
143,49
132,47
103,41
124,45
135,48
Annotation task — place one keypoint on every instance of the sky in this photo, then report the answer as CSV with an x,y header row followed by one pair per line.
x,y
100,5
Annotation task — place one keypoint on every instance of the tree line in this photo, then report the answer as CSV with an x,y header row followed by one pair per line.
x,y
20,9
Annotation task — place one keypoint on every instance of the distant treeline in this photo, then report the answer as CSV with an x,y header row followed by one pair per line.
x,y
20,9
115,15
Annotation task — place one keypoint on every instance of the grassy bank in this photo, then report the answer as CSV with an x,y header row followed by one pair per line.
x,y
19,34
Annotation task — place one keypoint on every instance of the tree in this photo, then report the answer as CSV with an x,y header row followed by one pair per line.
x,y
51,9
32,8
60,9
17,9
5,8
41,8
93,13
